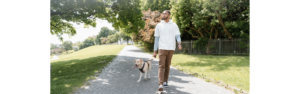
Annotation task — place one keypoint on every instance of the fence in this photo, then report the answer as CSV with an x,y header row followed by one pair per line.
x,y
217,47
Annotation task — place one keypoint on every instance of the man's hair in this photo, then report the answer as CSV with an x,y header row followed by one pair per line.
x,y
168,12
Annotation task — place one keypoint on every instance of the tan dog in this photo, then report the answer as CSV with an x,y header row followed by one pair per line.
x,y
144,67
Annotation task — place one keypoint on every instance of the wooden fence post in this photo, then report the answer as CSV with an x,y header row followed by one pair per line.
x,y
191,46
219,46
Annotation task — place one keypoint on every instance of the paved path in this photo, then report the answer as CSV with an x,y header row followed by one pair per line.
x,y
119,77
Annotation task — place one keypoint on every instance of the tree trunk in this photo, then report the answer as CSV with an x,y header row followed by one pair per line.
x,y
216,34
199,31
221,20
211,31
127,41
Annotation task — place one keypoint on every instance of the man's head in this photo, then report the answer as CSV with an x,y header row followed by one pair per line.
x,y
166,15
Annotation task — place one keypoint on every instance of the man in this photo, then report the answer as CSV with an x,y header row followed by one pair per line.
x,y
165,34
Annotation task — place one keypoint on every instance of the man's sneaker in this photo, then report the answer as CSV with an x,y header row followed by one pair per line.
x,y
166,84
160,88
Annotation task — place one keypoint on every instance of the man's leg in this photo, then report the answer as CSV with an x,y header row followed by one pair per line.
x,y
167,66
161,69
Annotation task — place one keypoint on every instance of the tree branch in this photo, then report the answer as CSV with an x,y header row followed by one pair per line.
x,y
199,31
193,28
191,34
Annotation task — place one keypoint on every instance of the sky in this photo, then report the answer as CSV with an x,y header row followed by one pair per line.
x,y
81,32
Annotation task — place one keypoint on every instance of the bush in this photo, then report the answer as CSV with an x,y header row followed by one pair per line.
x,y
148,46
201,44
75,49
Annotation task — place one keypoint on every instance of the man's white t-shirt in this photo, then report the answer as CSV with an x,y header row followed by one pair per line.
x,y
166,33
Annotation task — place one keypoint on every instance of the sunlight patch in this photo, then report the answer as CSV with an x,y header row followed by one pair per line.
x,y
55,79
67,85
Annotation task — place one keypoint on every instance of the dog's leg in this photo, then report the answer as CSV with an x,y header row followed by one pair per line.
x,y
149,72
140,77
145,75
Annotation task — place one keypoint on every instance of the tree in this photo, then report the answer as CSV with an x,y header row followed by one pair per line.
x,y
212,18
124,36
112,32
98,40
53,46
67,45
77,11
121,13
113,38
230,17
104,32
87,43
77,43
126,14
151,18
155,5
103,40
127,38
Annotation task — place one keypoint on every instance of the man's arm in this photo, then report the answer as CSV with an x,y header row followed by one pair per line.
x,y
155,46
178,41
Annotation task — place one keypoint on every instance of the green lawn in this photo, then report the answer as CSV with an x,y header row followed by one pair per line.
x,y
231,70
72,70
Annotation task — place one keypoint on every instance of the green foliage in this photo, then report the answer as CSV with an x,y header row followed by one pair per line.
x,y
148,46
76,49
200,44
242,44
112,38
103,40
122,13
104,32
53,46
77,43
182,14
112,32
67,45
126,14
78,11
87,42
123,35
98,40
155,5
205,18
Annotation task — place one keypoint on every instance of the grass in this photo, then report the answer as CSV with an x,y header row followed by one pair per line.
x,y
231,70
72,70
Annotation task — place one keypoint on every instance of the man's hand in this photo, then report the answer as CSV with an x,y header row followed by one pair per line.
x,y
179,47
154,54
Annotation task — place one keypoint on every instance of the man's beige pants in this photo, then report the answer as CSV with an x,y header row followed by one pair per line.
x,y
165,57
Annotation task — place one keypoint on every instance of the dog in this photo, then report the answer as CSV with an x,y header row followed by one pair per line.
x,y
144,67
